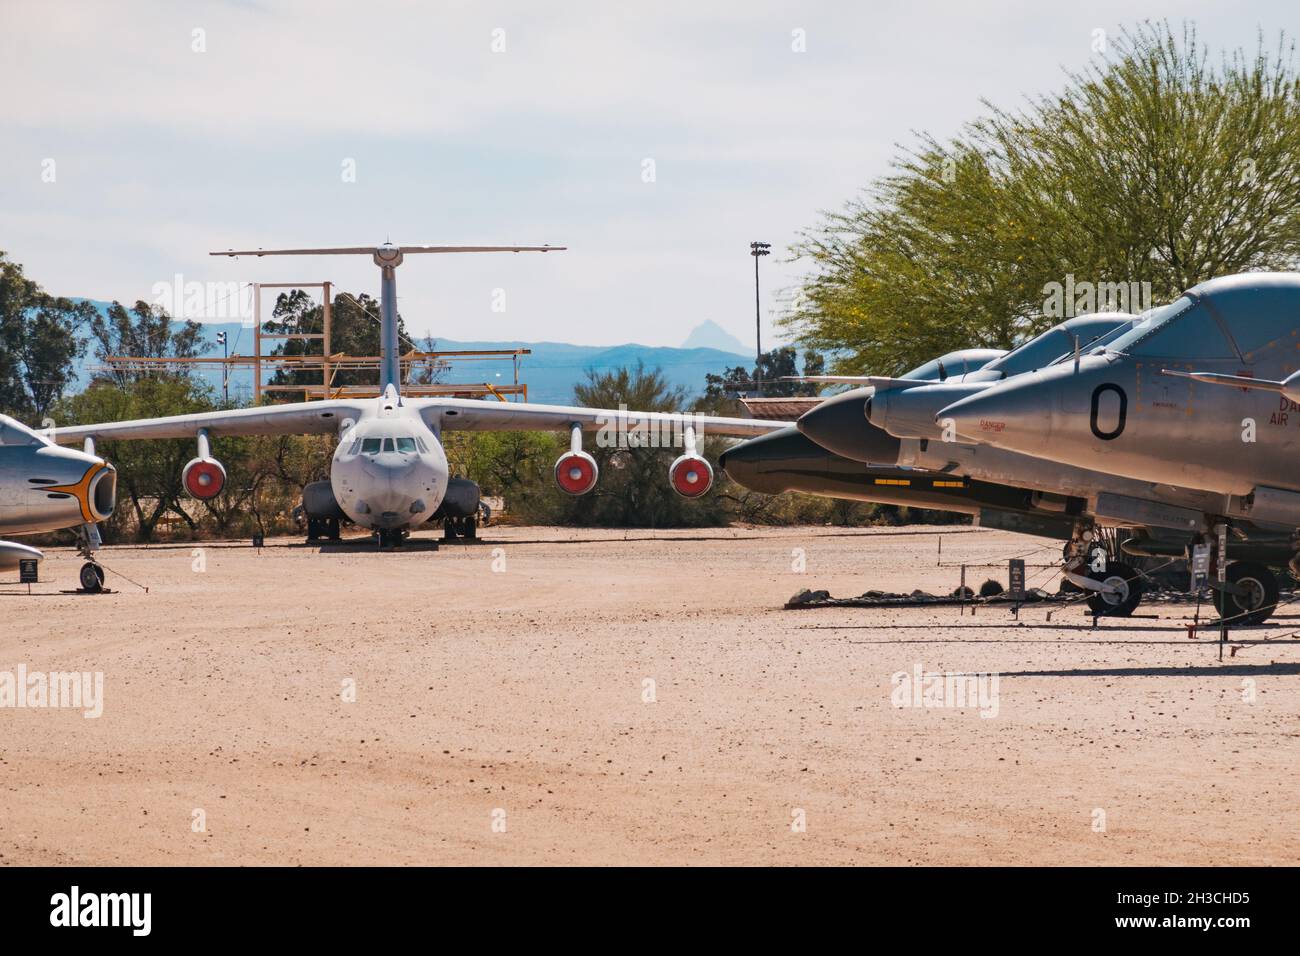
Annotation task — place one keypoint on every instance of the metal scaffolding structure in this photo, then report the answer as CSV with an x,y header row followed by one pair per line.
x,y
331,363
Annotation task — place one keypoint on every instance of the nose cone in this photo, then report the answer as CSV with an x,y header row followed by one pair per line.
x,y
1017,415
772,463
840,425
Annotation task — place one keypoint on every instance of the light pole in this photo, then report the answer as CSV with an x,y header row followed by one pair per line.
x,y
225,368
757,249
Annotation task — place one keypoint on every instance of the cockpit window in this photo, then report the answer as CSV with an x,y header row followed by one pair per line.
x,y
1104,342
1182,329
15,433
1257,316
388,444
952,365
1043,350
370,446
406,444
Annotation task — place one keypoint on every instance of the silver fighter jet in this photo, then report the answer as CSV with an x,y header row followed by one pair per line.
x,y
47,488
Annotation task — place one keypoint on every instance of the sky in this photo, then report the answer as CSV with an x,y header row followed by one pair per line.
x,y
654,140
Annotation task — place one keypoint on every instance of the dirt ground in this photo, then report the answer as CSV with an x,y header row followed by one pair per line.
x,y
553,696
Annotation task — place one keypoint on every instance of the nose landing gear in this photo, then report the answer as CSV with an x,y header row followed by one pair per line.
x,y
92,578
92,573
390,538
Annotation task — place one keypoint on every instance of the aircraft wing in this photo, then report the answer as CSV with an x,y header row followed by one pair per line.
x,y
877,381
465,414
298,418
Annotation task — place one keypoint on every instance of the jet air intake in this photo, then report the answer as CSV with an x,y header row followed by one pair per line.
x,y
690,474
575,470
204,476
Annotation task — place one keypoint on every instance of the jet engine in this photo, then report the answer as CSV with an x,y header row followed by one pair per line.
x,y
576,471
690,474
460,501
318,501
204,476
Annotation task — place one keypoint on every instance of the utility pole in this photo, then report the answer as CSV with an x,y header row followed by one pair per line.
x,y
225,368
757,249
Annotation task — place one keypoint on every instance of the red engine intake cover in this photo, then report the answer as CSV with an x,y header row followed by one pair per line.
x,y
204,478
691,476
576,472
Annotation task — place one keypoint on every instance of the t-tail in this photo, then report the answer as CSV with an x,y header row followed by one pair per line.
x,y
388,257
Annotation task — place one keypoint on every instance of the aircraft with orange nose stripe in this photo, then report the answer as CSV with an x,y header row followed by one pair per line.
x,y
44,487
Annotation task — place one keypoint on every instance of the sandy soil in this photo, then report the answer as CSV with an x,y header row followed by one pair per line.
x,y
517,697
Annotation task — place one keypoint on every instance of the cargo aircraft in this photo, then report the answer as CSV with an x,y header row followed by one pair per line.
x,y
389,472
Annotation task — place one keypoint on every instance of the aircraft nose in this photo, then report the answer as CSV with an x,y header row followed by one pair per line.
x,y
840,425
1014,416
765,463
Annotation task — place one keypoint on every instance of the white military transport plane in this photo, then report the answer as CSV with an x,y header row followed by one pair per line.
x,y
389,472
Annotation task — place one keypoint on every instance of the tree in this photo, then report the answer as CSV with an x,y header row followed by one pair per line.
x,y
1152,170
38,343
721,390
634,490
354,330
143,331
148,472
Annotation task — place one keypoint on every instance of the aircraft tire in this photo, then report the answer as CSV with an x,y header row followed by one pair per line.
x,y
1129,582
1259,605
92,578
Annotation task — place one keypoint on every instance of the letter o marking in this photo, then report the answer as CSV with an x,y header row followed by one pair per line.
x,y
1121,415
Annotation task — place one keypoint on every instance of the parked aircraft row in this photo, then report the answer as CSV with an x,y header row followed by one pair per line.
x,y
1177,425
1114,431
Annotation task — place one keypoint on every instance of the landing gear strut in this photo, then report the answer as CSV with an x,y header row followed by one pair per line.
x,y
390,538
92,573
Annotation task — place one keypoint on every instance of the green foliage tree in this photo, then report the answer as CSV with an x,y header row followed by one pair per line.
x,y
1156,165
149,472
354,330
38,343
721,390
143,331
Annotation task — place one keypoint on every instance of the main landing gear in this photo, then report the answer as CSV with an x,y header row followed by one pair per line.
x,y
327,528
1250,595
453,528
1115,588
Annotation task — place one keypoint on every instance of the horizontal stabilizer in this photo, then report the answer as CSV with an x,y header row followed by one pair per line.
x,y
370,250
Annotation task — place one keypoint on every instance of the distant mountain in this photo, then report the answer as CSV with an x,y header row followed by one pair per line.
x,y
554,368
709,335
550,372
